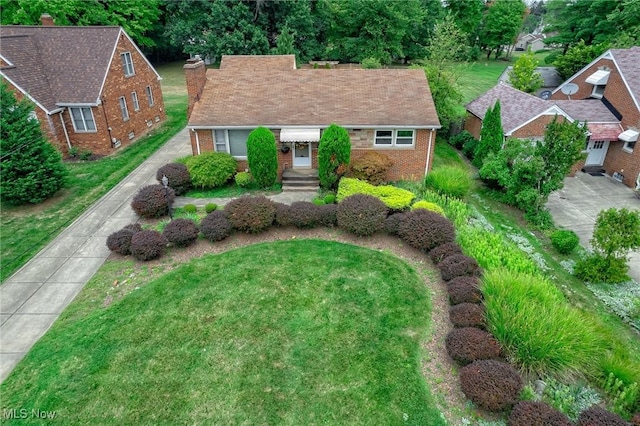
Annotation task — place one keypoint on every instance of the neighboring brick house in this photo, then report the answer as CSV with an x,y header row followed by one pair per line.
x,y
92,87
385,110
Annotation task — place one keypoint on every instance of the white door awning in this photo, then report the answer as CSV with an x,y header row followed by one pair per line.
x,y
598,78
629,136
299,135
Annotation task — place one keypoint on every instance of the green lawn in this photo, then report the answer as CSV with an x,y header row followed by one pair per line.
x,y
478,77
293,332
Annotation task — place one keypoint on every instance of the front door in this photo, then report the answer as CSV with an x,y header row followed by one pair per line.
x,y
302,155
596,151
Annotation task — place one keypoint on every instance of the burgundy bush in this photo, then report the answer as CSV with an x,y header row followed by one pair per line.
x,y
535,413
178,176
251,214
458,265
181,232
443,251
598,416
151,201
635,420
215,226
461,292
490,384
467,315
304,214
425,230
327,215
469,344
392,223
361,214
283,218
120,241
148,245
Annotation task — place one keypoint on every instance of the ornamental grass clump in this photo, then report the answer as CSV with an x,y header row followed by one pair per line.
x,y
467,315
215,226
443,251
464,290
459,265
361,214
148,245
490,384
153,201
251,214
178,177
449,180
537,413
468,344
598,416
120,241
181,232
425,230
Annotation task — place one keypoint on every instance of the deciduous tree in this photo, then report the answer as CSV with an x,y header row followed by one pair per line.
x,y
501,25
524,76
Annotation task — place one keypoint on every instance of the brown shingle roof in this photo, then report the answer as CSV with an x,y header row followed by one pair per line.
x,y
628,61
258,62
589,110
356,97
73,61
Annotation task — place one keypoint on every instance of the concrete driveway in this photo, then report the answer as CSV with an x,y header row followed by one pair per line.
x,y
576,207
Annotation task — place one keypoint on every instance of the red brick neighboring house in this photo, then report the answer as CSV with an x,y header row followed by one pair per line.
x,y
93,88
385,110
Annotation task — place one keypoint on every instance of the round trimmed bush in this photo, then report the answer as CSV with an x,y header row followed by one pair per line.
x,y
427,205
458,265
148,245
283,216
598,416
181,232
490,384
392,223
449,180
243,179
537,413
464,290
190,208
178,175
425,230
565,241
251,214
151,201
327,215
304,214
469,344
209,207
467,315
443,251
215,226
318,201
120,241
211,169
371,167
330,199
361,214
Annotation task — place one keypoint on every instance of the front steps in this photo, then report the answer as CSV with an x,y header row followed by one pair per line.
x,y
300,180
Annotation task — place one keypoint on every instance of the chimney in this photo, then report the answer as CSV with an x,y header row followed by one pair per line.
x,y
196,75
46,20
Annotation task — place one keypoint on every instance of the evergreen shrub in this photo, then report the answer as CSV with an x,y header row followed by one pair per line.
x,y
211,169
251,214
181,232
334,155
490,384
147,245
361,214
178,177
243,179
564,241
394,198
215,226
468,344
262,156
460,139
151,201
209,207
427,205
190,208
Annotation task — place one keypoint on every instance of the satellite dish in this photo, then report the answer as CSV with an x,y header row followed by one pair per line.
x,y
569,89
546,94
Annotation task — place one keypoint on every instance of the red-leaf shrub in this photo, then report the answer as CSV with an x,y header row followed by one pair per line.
x,y
151,201
458,265
535,413
467,315
490,384
469,344
304,214
178,176
464,290
120,241
251,214
361,214
283,217
372,167
327,215
147,245
181,232
443,251
598,416
635,420
215,226
392,223
425,230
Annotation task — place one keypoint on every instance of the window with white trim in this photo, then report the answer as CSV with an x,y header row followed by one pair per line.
x,y
134,99
127,64
123,108
149,95
394,137
82,118
233,142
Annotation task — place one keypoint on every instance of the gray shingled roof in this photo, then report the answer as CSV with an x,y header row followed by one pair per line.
x,y
589,110
58,64
628,61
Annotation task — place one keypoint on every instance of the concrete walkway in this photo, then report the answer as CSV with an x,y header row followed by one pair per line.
x,y
33,298
576,207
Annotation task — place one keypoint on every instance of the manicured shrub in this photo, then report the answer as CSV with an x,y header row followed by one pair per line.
x,y
468,344
334,155
243,179
464,290
599,269
425,230
251,214
422,204
178,176
467,315
181,232
151,201
458,265
327,215
392,223
283,216
598,416
537,413
329,199
209,207
147,245
371,167
394,198
490,384
460,139
635,420
318,201
215,226
361,214
449,180
443,251
120,241
304,214
211,169
262,156
190,208
564,241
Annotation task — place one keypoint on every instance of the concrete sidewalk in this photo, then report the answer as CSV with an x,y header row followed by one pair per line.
x,y
576,207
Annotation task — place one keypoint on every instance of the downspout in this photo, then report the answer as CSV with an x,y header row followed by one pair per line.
x,y
197,141
64,128
106,120
426,168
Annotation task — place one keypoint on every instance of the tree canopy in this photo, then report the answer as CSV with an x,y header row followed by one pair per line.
x,y
524,76
501,25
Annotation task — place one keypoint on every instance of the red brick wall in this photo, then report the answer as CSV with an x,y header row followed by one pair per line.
x,y
618,159
195,74
473,124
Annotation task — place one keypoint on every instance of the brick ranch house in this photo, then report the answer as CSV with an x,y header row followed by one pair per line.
x,y
92,87
605,94
386,110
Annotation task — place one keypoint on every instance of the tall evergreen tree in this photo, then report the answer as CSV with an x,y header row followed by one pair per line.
x,y
262,156
491,135
334,155
31,169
